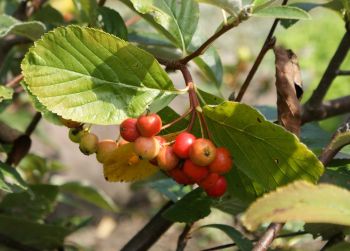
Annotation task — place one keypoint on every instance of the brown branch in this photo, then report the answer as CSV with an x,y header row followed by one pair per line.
x,y
326,110
330,74
31,127
13,82
268,44
150,233
184,237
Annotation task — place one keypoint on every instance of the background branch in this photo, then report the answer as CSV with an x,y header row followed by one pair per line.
x,y
183,238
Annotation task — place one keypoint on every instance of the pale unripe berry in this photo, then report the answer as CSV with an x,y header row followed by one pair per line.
x,y
75,134
88,143
105,149
147,147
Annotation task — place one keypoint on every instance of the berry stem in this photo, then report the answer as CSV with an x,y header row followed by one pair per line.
x,y
192,120
177,119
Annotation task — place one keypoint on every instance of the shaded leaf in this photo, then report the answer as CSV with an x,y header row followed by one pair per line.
x,y
339,247
301,201
265,152
33,234
176,19
31,29
288,82
10,180
242,242
192,207
84,79
113,23
125,165
34,204
49,15
89,194
169,188
282,12
5,93
73,223
339,176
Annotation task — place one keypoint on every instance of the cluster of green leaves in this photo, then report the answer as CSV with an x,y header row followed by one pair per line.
x,y
94,69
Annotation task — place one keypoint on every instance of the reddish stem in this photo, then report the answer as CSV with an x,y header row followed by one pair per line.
x,y
13,83
177,119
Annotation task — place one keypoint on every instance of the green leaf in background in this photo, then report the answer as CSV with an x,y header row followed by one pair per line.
x,y
73,223
90,76
176,19
9,6
33,205
10,180
192,207
231,6
31,29
86,11
242,242
33,234
89,194
342,246
301,201
282,12
339,176
5,93
49,15
209,63
50,116
169,188
264,151
112,22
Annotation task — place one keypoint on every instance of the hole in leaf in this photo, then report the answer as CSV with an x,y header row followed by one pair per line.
x,y
277,161
258,119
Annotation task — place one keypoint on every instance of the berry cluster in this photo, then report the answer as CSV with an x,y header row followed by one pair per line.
x,y
187,160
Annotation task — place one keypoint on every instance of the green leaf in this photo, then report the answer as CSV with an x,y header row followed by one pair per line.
x,y
265,152
9,6
49,15
10,180
192,207
113,23
338,176
94,77
90,194
176,19
231,6
31,29
260,4
86,11
73,223
282,12
33,234
34,204
301,201
5,93
242,242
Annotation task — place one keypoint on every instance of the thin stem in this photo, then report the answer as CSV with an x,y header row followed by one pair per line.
x,y
192,120
133,20
241,17
234,244
270,234
330,73
268,44
177,119
184,237
13,82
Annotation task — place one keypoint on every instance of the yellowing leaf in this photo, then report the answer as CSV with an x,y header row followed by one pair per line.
x,y
125,165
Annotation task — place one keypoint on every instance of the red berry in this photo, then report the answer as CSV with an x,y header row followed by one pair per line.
x,y
128,130
195,172
179,176
182,144
202,152
209,181
218,189
222,162
167,159
149,125
146,147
